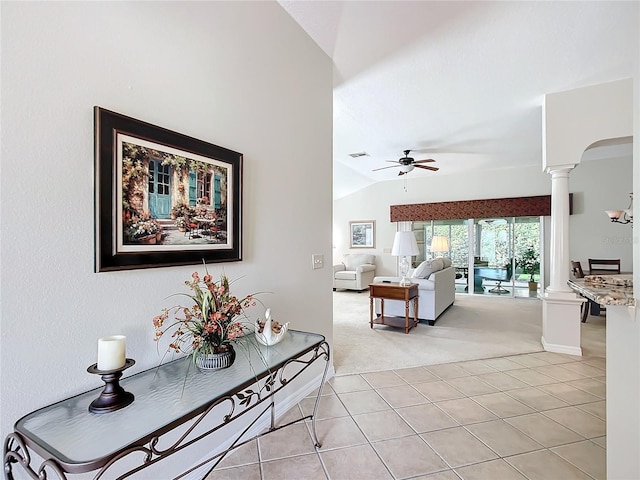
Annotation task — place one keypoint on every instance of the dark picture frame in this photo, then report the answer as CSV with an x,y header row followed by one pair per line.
x,y
362,234
163,198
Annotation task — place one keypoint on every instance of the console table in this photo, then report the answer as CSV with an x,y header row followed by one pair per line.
x,y
72,440
394,291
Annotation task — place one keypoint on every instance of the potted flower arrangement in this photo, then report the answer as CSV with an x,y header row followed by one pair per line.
x,y
208,326
181,223
182,214
141,229
529,264
179,210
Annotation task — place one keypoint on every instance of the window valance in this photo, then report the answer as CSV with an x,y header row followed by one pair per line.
x,y
488,208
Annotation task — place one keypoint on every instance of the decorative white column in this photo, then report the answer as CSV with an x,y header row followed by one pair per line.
x,y
559,251
561,306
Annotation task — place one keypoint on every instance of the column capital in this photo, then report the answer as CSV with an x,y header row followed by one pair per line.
x,y
560,170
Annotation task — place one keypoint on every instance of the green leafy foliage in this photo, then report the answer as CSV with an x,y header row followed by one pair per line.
x,y
529,262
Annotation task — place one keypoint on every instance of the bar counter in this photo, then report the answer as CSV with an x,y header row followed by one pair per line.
x,y
606,289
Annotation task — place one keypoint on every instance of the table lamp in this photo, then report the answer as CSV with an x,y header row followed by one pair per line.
x,y
439,244
404,245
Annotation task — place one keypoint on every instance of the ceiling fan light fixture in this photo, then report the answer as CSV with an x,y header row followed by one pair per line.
x,y
406,164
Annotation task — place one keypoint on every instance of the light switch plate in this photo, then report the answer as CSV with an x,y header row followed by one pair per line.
x,y
317,261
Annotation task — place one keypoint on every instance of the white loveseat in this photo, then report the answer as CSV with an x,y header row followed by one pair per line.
x,y
436,290
355,272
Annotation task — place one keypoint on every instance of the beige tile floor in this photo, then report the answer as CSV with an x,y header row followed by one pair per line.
x,y
538,416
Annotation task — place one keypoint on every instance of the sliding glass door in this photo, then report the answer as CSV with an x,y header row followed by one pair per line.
x,y
527,234
493,256
486,252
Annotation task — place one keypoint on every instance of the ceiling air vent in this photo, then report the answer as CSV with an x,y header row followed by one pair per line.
x,y
359,154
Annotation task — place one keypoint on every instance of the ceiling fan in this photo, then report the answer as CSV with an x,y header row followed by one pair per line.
x,y
407,164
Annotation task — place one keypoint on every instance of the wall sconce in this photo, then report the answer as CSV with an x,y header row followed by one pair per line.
x,y
622,216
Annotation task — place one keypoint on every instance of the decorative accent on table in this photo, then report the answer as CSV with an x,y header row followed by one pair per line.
x,y
214,361
112,352
270,332
144,175
113,397
405,246
208,327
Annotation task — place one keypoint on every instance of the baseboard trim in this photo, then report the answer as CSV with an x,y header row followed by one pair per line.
x,y
550,347
282,407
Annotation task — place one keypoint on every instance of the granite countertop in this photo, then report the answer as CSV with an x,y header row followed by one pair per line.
x,y
623,280
606,289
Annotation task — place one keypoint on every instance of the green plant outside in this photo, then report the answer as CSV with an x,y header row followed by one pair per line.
x,y
529,263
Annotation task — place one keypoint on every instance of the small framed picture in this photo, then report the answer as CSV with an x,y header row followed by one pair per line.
x,y
362,234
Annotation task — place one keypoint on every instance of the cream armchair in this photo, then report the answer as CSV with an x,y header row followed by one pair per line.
x,y
355,272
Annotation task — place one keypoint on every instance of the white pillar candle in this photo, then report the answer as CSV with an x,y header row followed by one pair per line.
x,y
111,352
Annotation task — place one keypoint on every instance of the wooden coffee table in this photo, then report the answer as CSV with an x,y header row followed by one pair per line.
x,y
394,291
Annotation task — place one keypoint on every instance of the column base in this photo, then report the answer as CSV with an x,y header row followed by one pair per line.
x,y
555,348
561,322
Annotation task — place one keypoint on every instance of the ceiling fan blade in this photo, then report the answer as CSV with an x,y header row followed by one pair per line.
x,y
382,168
425,167
426,160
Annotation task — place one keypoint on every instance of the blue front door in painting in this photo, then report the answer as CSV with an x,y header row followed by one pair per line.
x,y
159,189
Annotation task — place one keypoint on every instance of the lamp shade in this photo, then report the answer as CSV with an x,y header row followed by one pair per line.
x,y
439,243
405,243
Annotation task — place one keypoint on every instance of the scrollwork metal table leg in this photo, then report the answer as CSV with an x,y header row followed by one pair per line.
x,y
315,407
15,451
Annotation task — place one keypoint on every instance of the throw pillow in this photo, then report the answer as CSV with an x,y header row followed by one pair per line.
x,y
420,270
437,264
446,261
427,267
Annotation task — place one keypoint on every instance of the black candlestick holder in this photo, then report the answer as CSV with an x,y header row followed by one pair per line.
x,y
113,397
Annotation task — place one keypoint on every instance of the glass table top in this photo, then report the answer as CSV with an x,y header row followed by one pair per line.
x,y
164,395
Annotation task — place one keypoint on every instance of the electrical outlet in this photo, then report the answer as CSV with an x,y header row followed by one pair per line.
x,y
386,250
317,261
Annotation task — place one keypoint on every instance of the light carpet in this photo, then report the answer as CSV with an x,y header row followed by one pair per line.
x,y
473,328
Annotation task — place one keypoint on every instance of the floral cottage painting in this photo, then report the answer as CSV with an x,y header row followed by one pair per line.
x,y
174,200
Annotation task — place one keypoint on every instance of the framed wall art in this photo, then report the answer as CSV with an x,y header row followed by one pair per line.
x,y
163,198
362,234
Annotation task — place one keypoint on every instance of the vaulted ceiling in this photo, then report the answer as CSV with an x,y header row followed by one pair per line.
x,y
460,82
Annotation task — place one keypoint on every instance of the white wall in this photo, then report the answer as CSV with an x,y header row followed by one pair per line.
x,y
597,112
241,75
598,186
